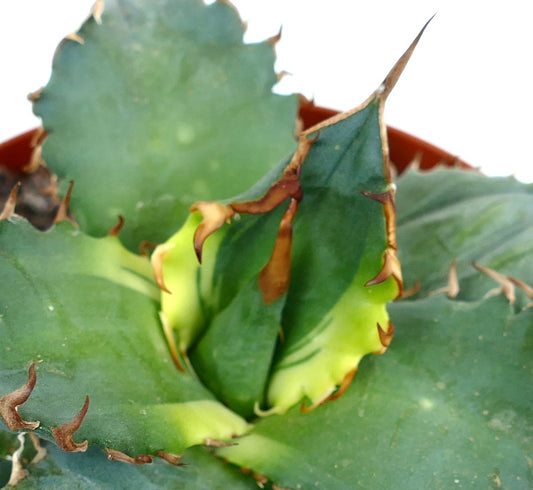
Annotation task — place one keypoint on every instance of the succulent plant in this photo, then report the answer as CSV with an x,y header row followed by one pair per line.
x,y
222,354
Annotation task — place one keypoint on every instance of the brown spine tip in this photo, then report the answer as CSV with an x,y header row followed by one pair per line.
x,y
116,229
63,434
335,394
216,443
169,335
286,187
33,96
387,199
97,11
524,287
9,207
452,288
36,160
113,455
9,404
274,278
63,213
453,281
275,38
74,36
506,286
391,268
406,293
214,216
173,459
385,336
157,258
145,247
345,384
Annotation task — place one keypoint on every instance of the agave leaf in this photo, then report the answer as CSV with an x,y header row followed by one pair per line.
x,y
342,264
451,402
327,330
86,308
449,215
161,106
91,470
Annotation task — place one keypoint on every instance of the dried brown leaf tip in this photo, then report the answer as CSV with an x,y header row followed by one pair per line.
x,y
9,404
407,293
97,11
507,288
385,337
63,434
116,229
391,268
173,459
452,288
63,213
287,187
74,36
274,278
524,287
335,393
36,95
214,216
275,38
391,265
217,443
113,455
389,208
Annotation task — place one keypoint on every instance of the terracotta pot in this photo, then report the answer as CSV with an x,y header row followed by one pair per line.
x,y
15,153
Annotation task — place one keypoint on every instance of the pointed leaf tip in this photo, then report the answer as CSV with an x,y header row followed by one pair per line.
x,y
9,403
394,74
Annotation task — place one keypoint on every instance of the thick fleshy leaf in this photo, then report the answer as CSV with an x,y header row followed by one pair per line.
x,y
332,313
86,308
448,214
340,235
92,470
334,258
450,404
158,107
234,356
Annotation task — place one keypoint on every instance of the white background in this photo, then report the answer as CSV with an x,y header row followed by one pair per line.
x,y
467,89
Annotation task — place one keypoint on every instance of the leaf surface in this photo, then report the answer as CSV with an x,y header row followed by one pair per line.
x,y
159,107
450,402
86,307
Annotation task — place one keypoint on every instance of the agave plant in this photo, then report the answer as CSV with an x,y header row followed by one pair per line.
x,y
211,337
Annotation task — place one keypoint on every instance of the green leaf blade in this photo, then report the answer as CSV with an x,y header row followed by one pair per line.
x,y
180,117
101,338
450,402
